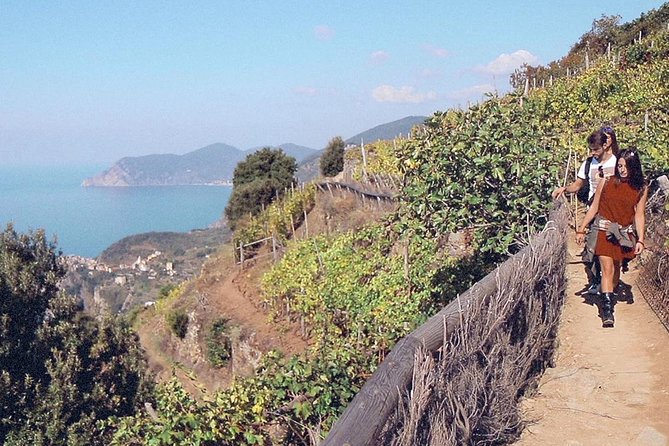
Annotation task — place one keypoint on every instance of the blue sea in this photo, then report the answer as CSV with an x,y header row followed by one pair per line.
x,y
86,220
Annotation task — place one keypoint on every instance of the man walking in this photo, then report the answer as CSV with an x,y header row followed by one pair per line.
x,y
601,163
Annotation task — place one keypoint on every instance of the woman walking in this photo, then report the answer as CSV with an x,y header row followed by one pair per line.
x,y
618,210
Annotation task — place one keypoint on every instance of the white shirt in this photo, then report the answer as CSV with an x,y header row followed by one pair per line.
x,y
593,177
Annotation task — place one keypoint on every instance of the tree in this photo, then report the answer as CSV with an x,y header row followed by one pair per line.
x,y
257,181
332,160
60,370
604,31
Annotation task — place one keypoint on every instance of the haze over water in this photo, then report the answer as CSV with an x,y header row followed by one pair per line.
x,y
88,220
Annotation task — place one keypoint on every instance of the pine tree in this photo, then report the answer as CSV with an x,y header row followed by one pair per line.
x,y
259,180
332,160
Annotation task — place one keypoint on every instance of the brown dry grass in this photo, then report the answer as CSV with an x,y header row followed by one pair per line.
x,y
469,392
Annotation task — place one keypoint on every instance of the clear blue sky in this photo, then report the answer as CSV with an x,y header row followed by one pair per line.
x,y
93,81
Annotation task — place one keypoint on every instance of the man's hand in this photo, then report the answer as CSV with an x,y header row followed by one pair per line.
x,y
558,191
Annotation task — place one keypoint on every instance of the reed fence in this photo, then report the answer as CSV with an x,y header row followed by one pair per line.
x,y
653,279
457,378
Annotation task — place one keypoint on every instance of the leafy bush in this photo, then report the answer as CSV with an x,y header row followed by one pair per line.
x,y
165,290
219,345
178,323
61,372
488,169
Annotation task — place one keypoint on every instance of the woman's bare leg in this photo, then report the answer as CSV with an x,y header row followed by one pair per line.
x,y
608,273
616,273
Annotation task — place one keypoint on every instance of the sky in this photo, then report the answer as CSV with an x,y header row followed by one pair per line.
x,y
85,82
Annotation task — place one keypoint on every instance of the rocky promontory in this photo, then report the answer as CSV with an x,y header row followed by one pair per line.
x,y
210,165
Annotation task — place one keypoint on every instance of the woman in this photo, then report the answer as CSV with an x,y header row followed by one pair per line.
x,y
618,210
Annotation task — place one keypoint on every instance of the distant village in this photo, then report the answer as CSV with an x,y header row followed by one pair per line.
x,y
135,279
123,272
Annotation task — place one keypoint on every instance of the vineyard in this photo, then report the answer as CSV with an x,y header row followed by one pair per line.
x,y
483,175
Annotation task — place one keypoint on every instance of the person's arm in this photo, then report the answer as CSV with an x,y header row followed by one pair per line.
x,y
640,221
571,188
592,211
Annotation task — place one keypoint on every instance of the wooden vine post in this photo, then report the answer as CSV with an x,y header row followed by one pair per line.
x,y
364,159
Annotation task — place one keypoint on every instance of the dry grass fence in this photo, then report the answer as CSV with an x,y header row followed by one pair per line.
x,y
359,189
458,378
653,280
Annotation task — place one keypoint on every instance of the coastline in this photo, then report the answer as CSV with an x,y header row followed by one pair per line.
x,y
84,221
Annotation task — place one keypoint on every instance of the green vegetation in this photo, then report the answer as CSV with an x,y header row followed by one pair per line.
x,y
332,160
639,41
484,173
258,180
363,289
381,159
61,372
165,290
488,169
279,219
178,323
219,344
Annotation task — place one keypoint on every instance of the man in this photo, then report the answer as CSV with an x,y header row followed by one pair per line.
x,y
603,151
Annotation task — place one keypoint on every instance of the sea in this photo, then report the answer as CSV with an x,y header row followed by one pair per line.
x,y
84,221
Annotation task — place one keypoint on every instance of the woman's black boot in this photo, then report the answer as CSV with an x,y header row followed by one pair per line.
x,y
607,309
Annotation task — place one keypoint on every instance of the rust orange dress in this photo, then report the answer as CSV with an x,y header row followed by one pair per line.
x,y
616,204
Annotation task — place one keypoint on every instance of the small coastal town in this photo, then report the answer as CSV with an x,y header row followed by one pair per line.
x,y
122,270
120,287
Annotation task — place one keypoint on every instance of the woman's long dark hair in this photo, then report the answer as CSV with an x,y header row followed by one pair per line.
x,y
634,170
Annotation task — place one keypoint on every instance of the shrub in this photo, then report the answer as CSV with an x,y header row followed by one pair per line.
x,y
165,290
178,322
219,344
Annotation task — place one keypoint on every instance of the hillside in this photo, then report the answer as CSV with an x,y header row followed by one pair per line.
x,y
391,130
278,331
353,295
135,269
213,164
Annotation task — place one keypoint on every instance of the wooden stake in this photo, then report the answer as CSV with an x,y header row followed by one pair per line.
x,y
273,248
306,224
364,159
566,171
526,91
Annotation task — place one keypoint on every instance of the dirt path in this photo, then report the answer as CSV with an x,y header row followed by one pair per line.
x,y
609,386
243,306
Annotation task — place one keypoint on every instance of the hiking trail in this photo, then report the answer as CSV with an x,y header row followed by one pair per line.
x,y
609,386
